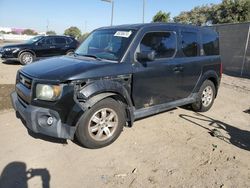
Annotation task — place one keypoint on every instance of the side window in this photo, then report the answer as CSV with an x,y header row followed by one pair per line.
x,y
59,40
48,41
189,44
210,43
163,43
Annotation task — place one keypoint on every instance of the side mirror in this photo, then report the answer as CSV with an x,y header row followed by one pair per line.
x,y
38,44
145,56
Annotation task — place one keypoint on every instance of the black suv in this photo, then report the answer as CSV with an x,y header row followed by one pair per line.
x,y
37,47
117,75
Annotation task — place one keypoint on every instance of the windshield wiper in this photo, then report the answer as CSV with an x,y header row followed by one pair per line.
x,y
91,56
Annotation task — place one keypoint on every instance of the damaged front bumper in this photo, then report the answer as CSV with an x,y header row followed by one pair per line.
x,y
42,120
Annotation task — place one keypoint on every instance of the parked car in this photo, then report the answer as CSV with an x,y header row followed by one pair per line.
x,y
38,47
118,75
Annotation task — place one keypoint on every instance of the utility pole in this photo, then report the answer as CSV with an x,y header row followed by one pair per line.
x,y
85,26
143,12
112,11
47,26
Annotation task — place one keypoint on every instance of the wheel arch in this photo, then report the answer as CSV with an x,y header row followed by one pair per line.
x,y
27,50
209,75
99,90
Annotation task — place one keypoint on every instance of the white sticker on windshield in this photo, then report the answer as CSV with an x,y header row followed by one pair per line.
x,y
125,34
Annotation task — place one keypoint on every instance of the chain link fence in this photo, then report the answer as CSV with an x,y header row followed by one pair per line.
x,y
235,48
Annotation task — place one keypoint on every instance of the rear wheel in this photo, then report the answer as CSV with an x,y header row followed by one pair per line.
x,y
26,58
206,97
101,124
70,52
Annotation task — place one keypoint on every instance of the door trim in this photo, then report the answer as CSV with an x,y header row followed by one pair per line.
x,y
144,112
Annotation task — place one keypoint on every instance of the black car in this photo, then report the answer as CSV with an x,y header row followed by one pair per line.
x,y
38,47
117,75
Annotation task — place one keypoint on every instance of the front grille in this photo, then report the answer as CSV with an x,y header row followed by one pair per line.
x,y
22,102
26,81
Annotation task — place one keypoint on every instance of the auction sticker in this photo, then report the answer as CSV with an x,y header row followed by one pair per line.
x,y
125,34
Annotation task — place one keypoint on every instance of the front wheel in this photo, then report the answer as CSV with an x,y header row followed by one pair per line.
x,y
205,98
26,58
101,124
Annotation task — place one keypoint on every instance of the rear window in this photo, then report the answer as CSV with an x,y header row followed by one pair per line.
x,y
210,43
189,44
59,40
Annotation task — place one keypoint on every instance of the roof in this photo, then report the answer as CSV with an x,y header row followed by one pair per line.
x,y
57,36
140,26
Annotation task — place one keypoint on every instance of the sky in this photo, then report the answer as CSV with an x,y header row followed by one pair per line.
x,y
85,14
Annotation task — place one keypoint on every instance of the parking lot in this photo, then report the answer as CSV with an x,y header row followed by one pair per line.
x,y
171,149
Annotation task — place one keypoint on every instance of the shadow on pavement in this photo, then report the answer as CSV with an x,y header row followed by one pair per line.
x,y
247,111
237,137
9,62
15,175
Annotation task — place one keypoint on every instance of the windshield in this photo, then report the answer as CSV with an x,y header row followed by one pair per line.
x,y
34,39
106,44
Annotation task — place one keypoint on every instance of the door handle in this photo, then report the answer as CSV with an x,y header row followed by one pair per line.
x,y
52,47
178,69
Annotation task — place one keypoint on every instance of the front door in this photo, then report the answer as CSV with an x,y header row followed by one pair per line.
x,y
45,47
157,81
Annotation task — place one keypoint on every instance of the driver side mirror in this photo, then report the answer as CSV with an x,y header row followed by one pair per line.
x,y
145,56
39,44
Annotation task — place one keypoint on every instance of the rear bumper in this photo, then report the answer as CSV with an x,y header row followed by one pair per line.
x,y
36,119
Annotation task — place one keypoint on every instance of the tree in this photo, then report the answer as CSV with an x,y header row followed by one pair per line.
x,y
73,31
161,17
2,32
29,32
233,11
83,37
229,11
50,33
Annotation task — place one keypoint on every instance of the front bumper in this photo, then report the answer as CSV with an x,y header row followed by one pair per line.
x,y
8,56
35,118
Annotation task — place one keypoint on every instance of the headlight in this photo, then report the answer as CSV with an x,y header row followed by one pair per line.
x,y
48,92
12,49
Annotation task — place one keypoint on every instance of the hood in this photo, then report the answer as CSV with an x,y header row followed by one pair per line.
x,y
16,46
65,68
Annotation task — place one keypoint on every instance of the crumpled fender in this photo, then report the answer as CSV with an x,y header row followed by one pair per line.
x,y
100,89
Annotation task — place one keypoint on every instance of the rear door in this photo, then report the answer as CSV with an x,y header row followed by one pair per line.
x,y
190,60
61,45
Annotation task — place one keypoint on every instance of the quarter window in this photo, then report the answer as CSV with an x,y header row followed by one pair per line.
x,y
189,44
68,40
210,43
163,43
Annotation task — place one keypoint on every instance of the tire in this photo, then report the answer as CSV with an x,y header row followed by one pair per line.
x,y
93,124
206,96
26,58
70,52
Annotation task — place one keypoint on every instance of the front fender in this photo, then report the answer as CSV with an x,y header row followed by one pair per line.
x,y
98,90
109,87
